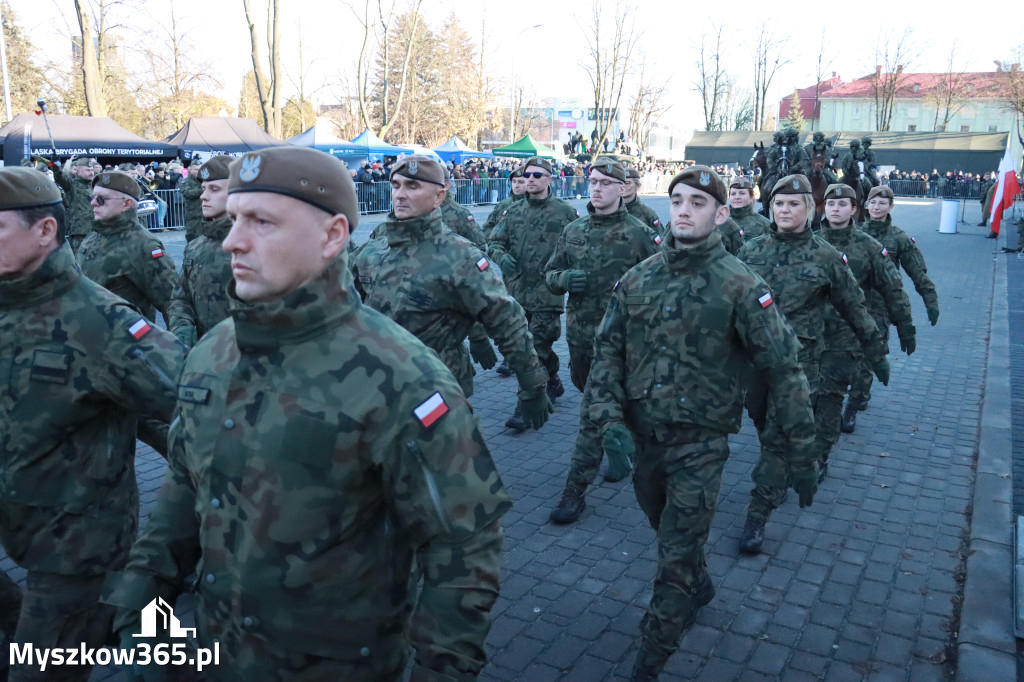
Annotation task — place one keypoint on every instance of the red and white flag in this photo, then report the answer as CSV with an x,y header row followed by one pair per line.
x,y
1006,189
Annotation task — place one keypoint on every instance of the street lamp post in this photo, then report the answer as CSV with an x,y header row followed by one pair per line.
x,y
512,98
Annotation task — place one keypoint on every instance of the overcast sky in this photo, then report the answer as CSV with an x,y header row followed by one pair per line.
x,y
549,58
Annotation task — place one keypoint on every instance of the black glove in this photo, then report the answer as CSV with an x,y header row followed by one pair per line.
x,y
908,339
483,353
933,315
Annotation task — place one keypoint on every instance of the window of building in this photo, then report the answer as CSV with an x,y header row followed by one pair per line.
x,y
856,112
912,128
965,129
993,129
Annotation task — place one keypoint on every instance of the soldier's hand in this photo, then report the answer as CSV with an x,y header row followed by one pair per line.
x,y
805,482
536,406
574,281
908,339
933,315
483,353
881,370
619,446
508,264
186,334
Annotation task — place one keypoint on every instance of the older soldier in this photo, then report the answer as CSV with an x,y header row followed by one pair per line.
x,y
806,275
200,300
902,249
634,206
522,244
321,450
518,192
668,372
120,254
75,178
741,208
440,287
78,364
590,257
877,277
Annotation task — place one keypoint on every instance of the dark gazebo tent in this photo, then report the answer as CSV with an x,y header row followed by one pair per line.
x,y
222,135
97,136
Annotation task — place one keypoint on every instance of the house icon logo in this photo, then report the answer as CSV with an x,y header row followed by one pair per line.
x,y
158,614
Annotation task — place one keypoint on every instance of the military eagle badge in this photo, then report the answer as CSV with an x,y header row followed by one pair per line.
x,y
250,169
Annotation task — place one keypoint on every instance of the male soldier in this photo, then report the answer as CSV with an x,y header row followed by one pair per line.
x,y
518,192
320,450
441,287
458,219
191,193
200,300
870,167
75,178
805,274
667,373
590,257
522,244
842,358
819,146
78,364
902,249
120,254
741,208
794,152
852,164
637,208
732,235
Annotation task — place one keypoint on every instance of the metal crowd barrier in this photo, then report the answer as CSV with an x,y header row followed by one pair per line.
x,y
950,189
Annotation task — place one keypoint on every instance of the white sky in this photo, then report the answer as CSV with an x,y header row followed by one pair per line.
x,y
549,58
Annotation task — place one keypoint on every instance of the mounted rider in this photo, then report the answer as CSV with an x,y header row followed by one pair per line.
x,y
821,147
870,167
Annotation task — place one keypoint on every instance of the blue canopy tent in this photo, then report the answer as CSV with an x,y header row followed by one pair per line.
x,y
457,151
317,137
373,147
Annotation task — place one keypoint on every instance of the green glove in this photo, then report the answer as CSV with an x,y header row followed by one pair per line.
x,y
805,481
536,406
881,369
573,281
620,448
933,315
483,353
186,333
908,339
508,264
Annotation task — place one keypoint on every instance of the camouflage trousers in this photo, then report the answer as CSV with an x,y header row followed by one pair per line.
x,y
839,369
587,456
61,611
771,473
546,327
860,390
677,488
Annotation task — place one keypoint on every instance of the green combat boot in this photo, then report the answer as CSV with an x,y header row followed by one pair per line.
x,y
570,506
515,422
555,388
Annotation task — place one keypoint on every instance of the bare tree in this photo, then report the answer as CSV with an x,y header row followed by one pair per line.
x,y
611,38
892,56
950,95
267,85
822,67
712,81
769,52
645,108
736,111
1012,88
92,68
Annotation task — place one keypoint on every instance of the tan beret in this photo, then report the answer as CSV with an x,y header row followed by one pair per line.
x,y
517,173
840,190
217,168
610,167
126,167
703,178
632,173
741,182
538,162
82,161
302,173
792,184
881,191
22,187
420,167
119,182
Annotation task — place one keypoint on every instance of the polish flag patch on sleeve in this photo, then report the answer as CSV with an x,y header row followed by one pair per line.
x,y
483,264
885,251
657,222
741,233
913,240
431,409
845,259
765,300
140,328
469,217
657,239
156,253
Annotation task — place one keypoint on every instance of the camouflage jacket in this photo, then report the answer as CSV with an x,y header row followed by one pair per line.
x,y
604,247
875,274
78,364
645,213
679,331
437,285
123,257
191,189
806,274
732,236
528,233
77,191
904,253
752,223
459,220
201,298
499,212
319,451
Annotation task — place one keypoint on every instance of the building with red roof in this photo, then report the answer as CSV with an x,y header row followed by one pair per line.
x,y
810,101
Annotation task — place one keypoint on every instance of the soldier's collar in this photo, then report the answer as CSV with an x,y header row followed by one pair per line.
x,y
217,229
615,216
412,229
774,230
695,258
57,273
117,223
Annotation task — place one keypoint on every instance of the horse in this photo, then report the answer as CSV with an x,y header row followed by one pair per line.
x,y
819,183
861,187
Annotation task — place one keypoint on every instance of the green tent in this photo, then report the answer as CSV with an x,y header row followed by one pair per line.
x,y
525,148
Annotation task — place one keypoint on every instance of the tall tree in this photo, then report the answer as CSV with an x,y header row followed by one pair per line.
x,y
770,54
712,80
249,100
950,95
646,108
795,118
92,54
823,63
413,49
893,54
1012,89
268,84
24,74
611,39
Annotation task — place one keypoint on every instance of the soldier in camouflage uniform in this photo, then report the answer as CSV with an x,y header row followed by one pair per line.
x,y
741,208
120,254
806,274
634,206
870,167
590,257
877,277
794,152
902,249
521,245
459,220
75,179
191,192
321,450
819,145
668,373
440,287
200,300
732,236
78,364
518,192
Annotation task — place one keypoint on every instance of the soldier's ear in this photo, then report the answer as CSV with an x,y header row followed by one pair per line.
x,y
336,237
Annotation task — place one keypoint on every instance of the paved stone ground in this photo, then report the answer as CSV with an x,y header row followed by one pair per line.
x,y
864,585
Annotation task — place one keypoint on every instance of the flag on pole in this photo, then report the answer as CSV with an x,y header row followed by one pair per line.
x,y
1006,188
